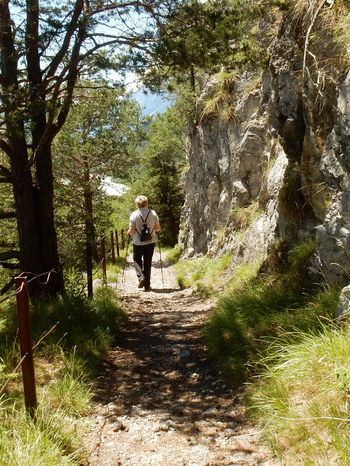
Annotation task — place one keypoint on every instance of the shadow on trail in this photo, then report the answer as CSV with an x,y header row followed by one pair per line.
x,y
164,290
159,366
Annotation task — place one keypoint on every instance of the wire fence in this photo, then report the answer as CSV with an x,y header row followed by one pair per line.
x,y
21,292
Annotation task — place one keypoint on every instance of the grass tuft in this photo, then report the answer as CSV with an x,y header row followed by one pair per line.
x,y
205,274
173,255
301,398
246,321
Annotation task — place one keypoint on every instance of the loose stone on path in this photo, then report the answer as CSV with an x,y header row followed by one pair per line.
x,y
159,400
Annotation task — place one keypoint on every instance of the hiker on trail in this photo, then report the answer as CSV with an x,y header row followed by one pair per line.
x,y
144,222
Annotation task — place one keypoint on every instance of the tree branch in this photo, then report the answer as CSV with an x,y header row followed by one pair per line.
x,y
57,60
7,149
6,255
7,287
7,175
72,76
7,215
6,265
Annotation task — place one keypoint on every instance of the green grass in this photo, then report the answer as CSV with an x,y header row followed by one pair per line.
x,y
272,333
52,437
65,365
243,217
173,255
245,321
262,326
204,273
112,269
297,364
301,399
90,326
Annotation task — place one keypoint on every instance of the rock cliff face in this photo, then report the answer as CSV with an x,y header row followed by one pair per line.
x,y
276,169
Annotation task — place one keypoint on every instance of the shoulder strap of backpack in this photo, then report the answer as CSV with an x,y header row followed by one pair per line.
x,y
147,216
144,221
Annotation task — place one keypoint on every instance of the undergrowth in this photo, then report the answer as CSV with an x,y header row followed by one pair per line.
x,y
173,255
65,365
264,307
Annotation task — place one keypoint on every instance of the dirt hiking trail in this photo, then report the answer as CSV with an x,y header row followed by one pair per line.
x,y
159,400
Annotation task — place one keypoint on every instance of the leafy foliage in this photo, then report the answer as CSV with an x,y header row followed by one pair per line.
x,y
44,49
101,138
163,160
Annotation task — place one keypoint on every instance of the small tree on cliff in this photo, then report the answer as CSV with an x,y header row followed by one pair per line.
x,y
44,47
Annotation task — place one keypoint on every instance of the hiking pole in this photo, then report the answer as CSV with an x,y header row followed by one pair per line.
x,y
160,257
126,255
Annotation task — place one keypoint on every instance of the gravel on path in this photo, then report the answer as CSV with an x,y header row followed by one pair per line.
x,y
159,400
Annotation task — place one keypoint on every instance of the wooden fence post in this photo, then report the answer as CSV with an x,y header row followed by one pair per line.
x,y
123,239
26,344
103,253
112,247
117,241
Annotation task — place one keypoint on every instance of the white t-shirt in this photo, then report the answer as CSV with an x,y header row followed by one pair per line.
x,y
137,222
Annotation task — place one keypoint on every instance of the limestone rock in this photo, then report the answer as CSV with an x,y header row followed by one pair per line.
x,y
343,308
286,150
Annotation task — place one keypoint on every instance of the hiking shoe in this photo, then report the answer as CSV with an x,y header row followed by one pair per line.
x,y
148,289
141,282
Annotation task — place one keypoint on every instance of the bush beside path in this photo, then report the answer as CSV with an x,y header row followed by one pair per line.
x,y
159,400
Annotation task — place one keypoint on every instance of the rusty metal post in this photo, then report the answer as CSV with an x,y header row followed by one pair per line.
x,y
26,344
103,253
112,248
123,239
117,241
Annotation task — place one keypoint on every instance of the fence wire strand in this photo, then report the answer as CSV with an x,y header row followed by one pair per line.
x,y
3,388
34,277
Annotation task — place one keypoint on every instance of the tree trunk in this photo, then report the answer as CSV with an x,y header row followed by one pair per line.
x,y
89,229
37,236
90,240
33,200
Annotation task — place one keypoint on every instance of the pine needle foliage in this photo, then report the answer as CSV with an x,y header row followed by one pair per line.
x,y
204,37
163,160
